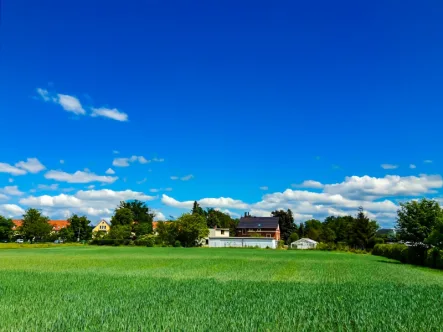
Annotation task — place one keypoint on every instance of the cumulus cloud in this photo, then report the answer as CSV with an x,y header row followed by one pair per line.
x,y
113,114
10,180
11,190
388,166
53,186
159,216
124,162
264,188
6,168
110,171
221,202
90,202
79,177
70,104
390,185
11,210
308,184
32,165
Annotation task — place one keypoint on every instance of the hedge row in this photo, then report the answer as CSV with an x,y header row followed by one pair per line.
x,y
410,254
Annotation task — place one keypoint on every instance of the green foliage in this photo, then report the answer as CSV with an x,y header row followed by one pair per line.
x,y
327,234
313,229
167,232
341,227
35,226
6,231
142,214
435,238
301,230
434,258
119,232
192,229
286,223
292,238
417,219
122,217
401,252
280,244
197,209
255,235
363,231
78,229
145,240
66,234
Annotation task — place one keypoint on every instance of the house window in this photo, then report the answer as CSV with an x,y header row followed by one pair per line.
x,y
258,229
222,232
243,231
268,235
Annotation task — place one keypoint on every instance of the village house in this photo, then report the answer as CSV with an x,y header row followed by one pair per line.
x,y
304,243
103,226
258,227
216,233
57,225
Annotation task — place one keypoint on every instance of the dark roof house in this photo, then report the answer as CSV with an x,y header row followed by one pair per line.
x,y
259,226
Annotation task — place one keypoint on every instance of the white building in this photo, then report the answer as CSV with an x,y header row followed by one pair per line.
x,y
217,232
261,242
304,243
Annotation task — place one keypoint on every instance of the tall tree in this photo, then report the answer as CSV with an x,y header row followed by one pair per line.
x,y
35,226
435,238
286,223
167,232
341,226
79,227
363,230
122,217
417,219
313,229
6,228
142,214
192,229
301,230
197,209
327,235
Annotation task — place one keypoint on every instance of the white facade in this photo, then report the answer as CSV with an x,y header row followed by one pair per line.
x,y
261,242
304,243
218,232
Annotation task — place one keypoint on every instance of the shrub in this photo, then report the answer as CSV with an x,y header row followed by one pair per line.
x,y
145,241
177,244
434,258
401,252
280,244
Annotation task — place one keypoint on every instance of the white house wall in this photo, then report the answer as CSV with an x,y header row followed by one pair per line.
x,y
243,242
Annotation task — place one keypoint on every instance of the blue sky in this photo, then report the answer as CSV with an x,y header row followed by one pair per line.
x,y
246,104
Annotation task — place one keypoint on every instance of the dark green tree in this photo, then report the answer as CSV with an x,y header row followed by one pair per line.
x,y
66,234
80,229
122,217
6,226
436,237
119,232
197,209
363,231
341,226
327,235
292,238
301,230
286,223
35,226
417,219
142,214
167,232
313,229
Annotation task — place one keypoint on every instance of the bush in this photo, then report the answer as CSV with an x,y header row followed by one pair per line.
x,y
177,244
280,244
434,258
401,252
145,241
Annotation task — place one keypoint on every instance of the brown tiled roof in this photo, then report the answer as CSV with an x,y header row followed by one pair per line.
x,y
56,224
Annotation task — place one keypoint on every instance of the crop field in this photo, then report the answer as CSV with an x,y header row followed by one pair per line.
x,y
174,289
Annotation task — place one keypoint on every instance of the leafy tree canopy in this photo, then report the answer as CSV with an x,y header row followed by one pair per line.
x,y
6,225
123,217
286,223
79,228
35,226
142,215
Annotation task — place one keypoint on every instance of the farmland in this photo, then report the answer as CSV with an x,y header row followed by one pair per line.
x,y
108,288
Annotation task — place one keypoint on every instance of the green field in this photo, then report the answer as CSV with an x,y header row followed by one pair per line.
x,y
174,289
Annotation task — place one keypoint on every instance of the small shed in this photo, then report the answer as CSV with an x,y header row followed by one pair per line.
x,y
304,243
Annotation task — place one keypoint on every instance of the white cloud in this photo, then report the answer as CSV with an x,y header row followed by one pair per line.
x,y
221,202
11,210
10,180
388,166
308,184
32,165
142,181
115,152
427,161
264,188
113,113
62,161
124,162
174,178
6,168
91,186
187,177
159,216
90,202
70,104
110,171
390,185
153,190
158,160
44,94
412,166
48,187
79,177
168,189
11,190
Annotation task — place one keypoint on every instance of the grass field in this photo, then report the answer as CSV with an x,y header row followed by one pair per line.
x,y
155,289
